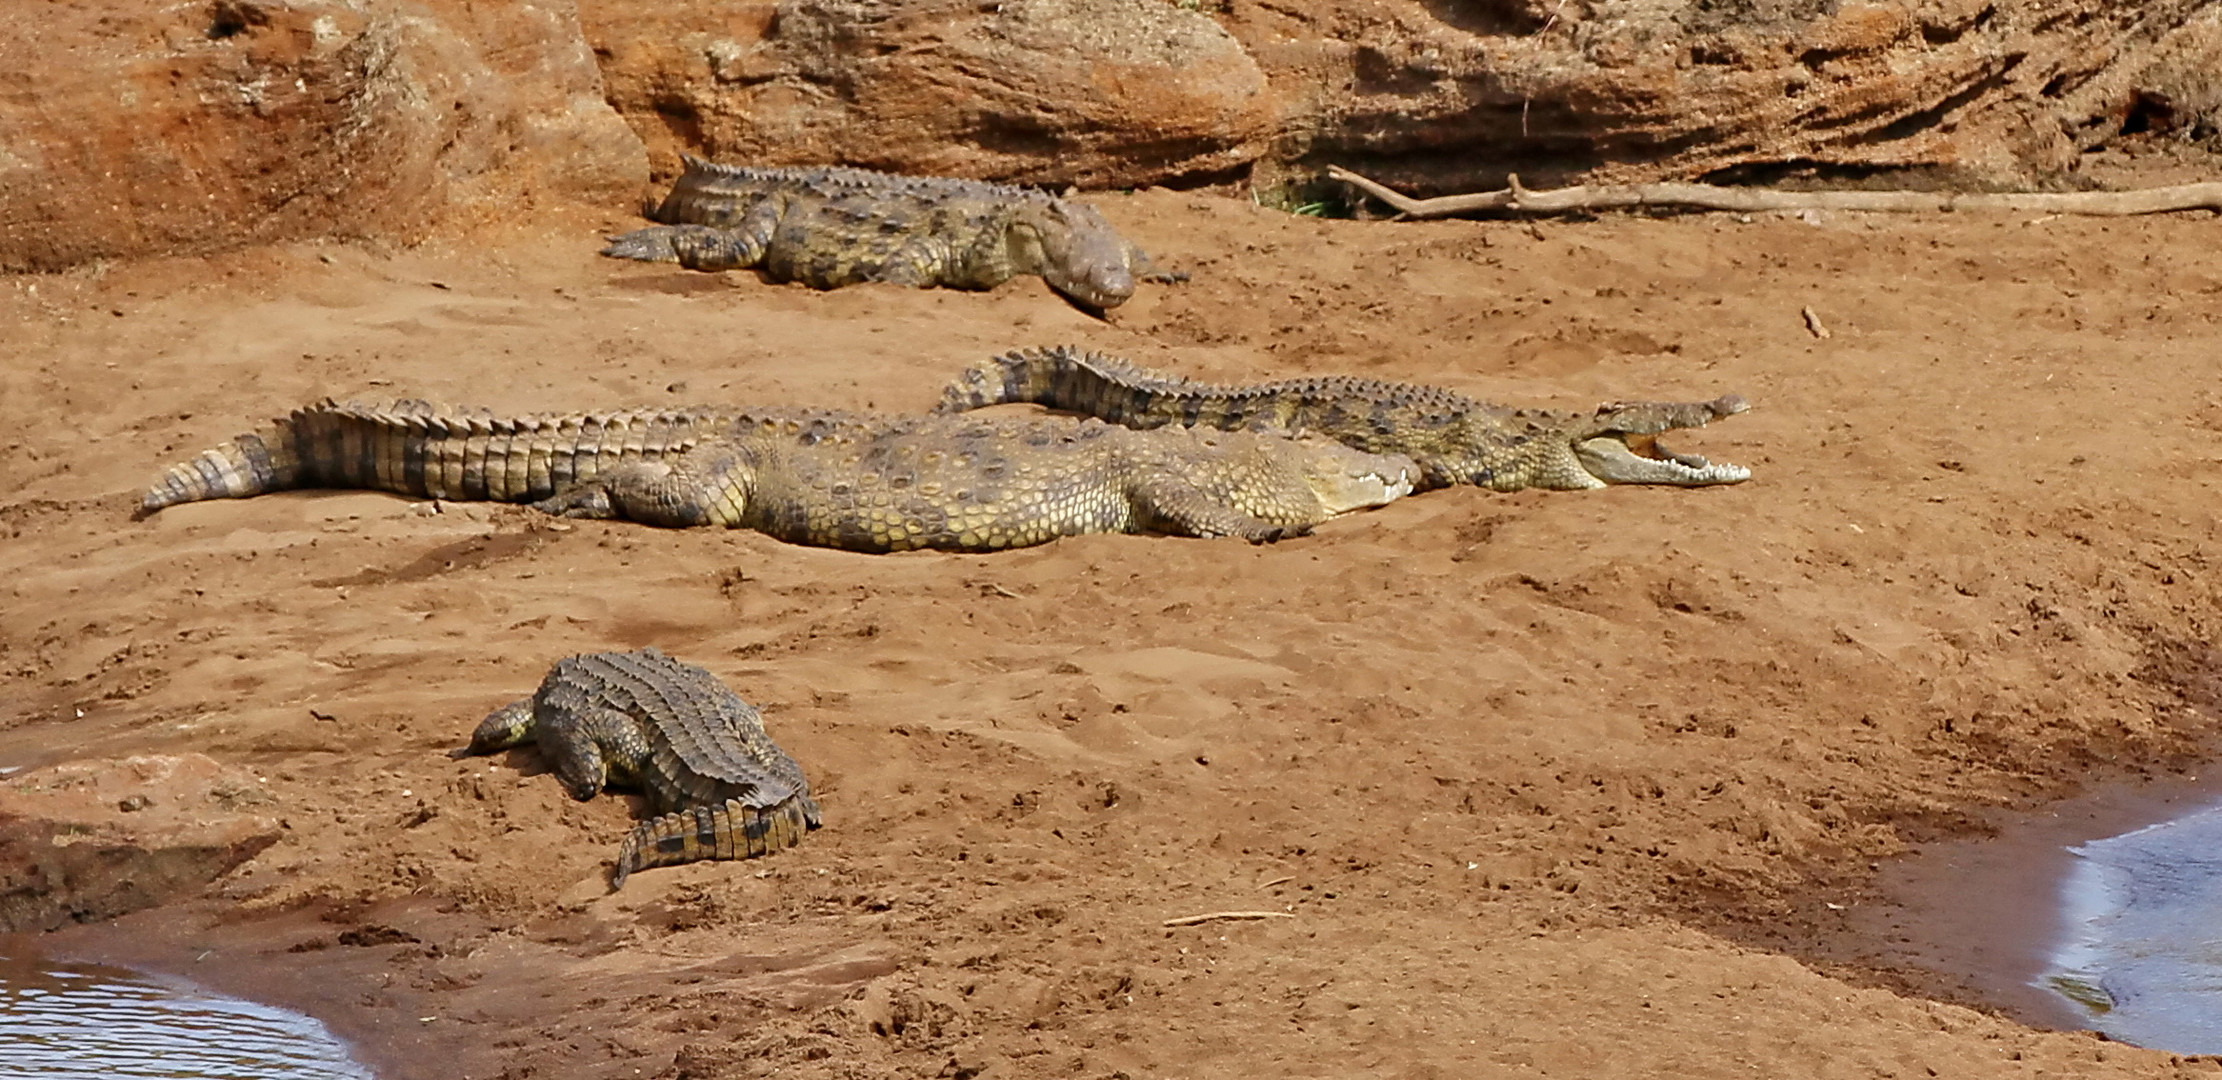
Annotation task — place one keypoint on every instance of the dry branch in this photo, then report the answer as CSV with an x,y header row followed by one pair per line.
x,y
1191,920
1517,199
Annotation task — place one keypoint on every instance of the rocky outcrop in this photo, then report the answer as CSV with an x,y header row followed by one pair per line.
x,y
1100,93
86,840
1433,95
143,126
1438,95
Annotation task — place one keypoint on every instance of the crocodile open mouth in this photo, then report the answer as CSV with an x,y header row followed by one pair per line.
x,y
1637,456
1650,448
1623,458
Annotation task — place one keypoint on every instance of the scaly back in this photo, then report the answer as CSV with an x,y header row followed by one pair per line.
x,y
1379,417
840,226
711,732
1454,438
708,193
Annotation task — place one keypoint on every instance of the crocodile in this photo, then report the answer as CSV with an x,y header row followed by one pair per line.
x,y
718,786
811,476
1454,439
830,227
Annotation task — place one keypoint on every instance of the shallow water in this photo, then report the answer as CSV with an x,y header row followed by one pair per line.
x,y
2141,952
84,1022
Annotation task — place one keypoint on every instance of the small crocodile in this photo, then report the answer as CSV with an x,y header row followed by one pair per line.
x,y
719,787
1455,439
809,476
830,227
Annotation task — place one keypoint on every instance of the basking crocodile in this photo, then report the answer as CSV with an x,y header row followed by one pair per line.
x,y
719,787
808,476
1455,439
829,227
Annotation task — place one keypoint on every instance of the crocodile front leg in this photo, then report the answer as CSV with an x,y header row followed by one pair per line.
x,y
512,725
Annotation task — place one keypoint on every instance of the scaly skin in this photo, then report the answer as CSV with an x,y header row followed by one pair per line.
x,y
1455,439
862,483
720,787
830,227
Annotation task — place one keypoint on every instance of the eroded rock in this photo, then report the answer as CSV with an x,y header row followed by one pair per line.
x,y
1102,93
141,127
1442,95
1435,95
86,840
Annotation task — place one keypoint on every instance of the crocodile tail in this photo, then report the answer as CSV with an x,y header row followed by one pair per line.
x,y
730,830
1076,380
324,445
260,461
413,448
996,381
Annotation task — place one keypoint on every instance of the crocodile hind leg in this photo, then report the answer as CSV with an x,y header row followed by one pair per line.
x,y
696,247
1180,508
704,247
707,485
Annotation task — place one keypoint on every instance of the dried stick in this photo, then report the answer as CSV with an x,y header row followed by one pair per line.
x,y
1191,920
1518,199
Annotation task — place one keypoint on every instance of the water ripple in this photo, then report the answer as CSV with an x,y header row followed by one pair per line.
x,y
80,1022
2142,956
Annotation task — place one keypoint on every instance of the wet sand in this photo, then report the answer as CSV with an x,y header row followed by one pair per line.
x,y
1988,912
